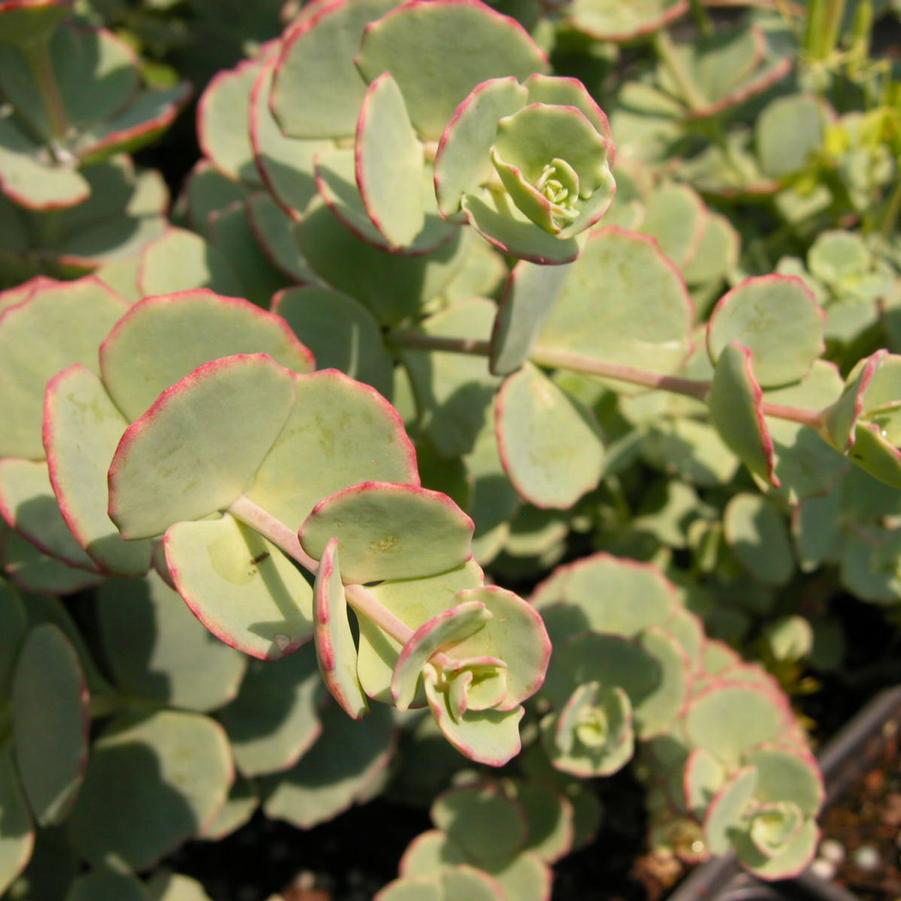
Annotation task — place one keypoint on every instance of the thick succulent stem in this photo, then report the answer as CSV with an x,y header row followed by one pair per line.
x,y
555,359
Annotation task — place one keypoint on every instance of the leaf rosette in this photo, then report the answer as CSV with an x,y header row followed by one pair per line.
x,y
528,164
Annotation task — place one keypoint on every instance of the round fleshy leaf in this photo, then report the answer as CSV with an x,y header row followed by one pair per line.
x,y
549,445
429,853
25,23
226,413
222,111
337,772
275,720
336,649
317,90
515,634
528,300
31,570
655,712
179,260
154,780
28,505
735,409
414,602
489,736
50,723
790,861
453,391
158,651
612,20
728,812
605,588
273,229
703,777
783,776
162,339
339,433
517,236
392,286
82,428
58,325
676,217
603,324
241,804
446,629
107,885
285,164
95,72
551,816
29,181
462,162
419,44
388,159
341,333
788,132
717,253
778,319
17,840
484,822
389,531
413,888
758,536
592,735
729,720
240,586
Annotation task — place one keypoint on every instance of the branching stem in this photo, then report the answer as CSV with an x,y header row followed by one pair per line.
x,y
283,536
557,359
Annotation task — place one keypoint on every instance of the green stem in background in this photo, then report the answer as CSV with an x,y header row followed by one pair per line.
x,y
41,65
702,18
824,21
892,211
669,57
556,359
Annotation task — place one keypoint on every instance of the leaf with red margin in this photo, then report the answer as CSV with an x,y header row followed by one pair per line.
x,y
28,505
205,191
29,181
274,230
51,723
58,325
676,217
419,43
29,569
727,813
316,88
336,772
142,122
161,339
18,843
82,428
389,531
388,158
448,628
224,416
240,586
339,433
336,649
285,164
223,122
549,445
341,332
25,21
612,20
736,401
778,319
462,161
485,736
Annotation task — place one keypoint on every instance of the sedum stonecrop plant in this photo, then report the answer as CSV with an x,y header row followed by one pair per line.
x,y
423,323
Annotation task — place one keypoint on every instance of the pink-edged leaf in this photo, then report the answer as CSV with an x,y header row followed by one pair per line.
x,y
336,649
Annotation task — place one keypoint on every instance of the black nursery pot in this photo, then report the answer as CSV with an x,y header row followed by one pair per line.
x,y
844,760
